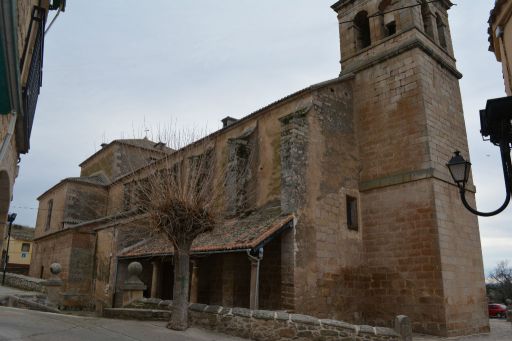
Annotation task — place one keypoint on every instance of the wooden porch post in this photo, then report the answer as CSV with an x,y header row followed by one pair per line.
x,y
155,279
194,283
255,278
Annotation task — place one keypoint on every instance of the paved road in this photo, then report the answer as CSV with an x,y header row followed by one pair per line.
x,y
20,324
501,330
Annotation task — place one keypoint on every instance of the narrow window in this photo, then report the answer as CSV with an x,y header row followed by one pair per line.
x,y
49,215
391,27
352,218
427,19
42,272
127,196
362,27
25,247
143,192
440,32
387,18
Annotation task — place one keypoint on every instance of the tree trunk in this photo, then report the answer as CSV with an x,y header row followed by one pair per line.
x,y
179,317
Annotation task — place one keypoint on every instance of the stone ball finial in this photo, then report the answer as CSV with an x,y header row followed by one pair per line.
x,y
134,269
55,268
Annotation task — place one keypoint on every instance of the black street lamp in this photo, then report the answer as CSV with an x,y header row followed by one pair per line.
x,y
10,220
496,125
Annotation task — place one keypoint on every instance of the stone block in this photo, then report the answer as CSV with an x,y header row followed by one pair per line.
x,y
213,309
304,319
243,312
197,307
403,327
263,314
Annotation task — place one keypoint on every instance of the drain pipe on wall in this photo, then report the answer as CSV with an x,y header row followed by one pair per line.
x,y
7,139
255,278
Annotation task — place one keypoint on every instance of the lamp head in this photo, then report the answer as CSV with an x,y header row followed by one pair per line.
x,y
11,217
459,169
495,121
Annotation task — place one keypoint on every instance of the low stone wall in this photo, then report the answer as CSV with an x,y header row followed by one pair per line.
x,y
32,303
150,303
24,282
264,325
137,314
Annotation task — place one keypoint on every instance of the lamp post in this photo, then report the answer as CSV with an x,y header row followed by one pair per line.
x,y
10,220
496,126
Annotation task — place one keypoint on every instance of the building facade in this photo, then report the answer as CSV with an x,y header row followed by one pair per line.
x,y
500,31
22,24
349,211
20,249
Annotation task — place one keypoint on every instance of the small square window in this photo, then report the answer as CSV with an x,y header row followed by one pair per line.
x,y
352,215
25,247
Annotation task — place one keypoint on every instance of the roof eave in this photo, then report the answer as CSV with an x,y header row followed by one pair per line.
x,y
10,56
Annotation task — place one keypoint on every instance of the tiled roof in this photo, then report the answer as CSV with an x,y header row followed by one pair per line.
x,y
22,232
94,180
139,143
240,233
145,143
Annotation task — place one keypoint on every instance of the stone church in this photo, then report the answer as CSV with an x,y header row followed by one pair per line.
x,y
354,215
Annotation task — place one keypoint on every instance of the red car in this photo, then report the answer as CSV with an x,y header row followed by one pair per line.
x,y
497,310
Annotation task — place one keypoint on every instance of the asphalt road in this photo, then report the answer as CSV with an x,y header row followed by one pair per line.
x,y
21,324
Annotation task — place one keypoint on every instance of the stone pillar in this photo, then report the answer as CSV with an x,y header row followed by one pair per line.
x,y
288,270
228,280
53,286
294,156
255,279
194,282
155,279
133,287
376,28
254,284
403,327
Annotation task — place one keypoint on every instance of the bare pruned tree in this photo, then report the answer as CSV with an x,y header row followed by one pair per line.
x,y
499,285
183,196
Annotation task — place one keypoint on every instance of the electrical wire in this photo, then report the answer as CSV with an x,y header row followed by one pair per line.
x,y
393,10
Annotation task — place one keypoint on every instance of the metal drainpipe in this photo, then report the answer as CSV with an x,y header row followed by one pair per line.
x,y
257,260
7,138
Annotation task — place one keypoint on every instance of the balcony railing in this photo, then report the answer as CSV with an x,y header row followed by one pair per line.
x,y
35,67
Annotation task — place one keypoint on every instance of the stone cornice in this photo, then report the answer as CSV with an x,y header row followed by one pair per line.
x,y
407,45
406,177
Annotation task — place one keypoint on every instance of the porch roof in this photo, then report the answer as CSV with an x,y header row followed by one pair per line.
x,y
242,233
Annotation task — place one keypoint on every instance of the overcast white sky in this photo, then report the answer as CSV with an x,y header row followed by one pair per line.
x,y
112,65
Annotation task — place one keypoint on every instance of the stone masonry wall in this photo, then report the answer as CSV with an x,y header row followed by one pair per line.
x,y
73,250
409,122
8,173
264,325
294,142
24,282
259,325
84,202
402,255
328,254
459,237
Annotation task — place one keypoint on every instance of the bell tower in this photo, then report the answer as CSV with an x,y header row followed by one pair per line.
x,y
422,248
369,28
